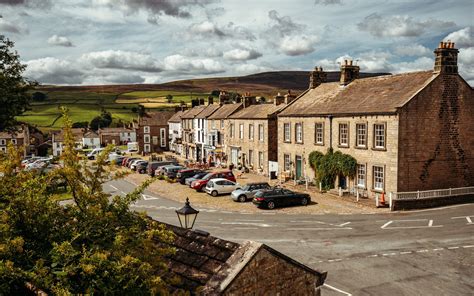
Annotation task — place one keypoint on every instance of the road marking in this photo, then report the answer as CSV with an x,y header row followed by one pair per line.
x,y
438,249
468,218
319,228
337,290
422,251
245,228
430,224
452,248
246,223
113,187
244,220
386,224
389,254
407,252
149,197
373,256
471,246
343,224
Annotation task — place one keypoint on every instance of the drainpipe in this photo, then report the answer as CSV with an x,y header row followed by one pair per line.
x,y
330,130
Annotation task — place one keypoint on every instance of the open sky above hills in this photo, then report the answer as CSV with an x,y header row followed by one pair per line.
x,y
151,41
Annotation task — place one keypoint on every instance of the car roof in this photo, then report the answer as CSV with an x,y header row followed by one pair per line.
x,y
257,183
219,179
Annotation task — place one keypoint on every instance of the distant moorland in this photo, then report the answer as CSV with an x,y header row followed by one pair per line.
x,y
86,102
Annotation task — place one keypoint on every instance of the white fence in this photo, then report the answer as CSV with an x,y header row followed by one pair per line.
x,y
414,195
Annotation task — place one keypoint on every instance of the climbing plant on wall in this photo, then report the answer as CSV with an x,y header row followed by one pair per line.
x,y
328,166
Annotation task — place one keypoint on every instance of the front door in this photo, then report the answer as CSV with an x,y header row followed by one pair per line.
x,y
298,167
342,182
234,156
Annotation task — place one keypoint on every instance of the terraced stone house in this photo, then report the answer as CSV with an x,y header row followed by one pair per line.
x,y
408,132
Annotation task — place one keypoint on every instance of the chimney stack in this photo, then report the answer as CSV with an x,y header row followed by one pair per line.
x,y
194,103
249,100
316,77
223,98
210,100
446,58
289,97
279,99
201,101
349,73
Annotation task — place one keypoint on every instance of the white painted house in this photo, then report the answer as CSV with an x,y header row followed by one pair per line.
x,y
201,132
175,132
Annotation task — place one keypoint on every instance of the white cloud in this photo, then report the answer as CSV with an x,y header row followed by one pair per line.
x,y
53,71
241,54
210,29
297,45
466,64
59,41
399,26
462,38
186,65
420,64
10,27
411,50
118,59
251,69
328,2
206,28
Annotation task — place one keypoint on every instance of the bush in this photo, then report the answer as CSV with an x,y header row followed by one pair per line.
x,y
330,165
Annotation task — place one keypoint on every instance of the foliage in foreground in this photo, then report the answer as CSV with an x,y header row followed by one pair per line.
x,y
95,245
328,166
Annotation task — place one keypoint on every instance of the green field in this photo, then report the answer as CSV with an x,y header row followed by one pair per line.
x,y
178,96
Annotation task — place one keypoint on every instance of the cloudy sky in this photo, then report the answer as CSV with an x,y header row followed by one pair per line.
x,y
154,41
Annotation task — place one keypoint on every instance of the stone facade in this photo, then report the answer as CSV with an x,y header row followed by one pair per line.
x,y
152,132
436,149
18,138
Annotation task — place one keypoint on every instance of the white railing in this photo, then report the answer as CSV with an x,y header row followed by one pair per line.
x,y
413,195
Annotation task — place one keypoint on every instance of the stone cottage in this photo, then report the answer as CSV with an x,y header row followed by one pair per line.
x,y
209,265
408,132
188,132
19,138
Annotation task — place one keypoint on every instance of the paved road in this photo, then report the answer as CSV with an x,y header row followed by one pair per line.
x,y
411,253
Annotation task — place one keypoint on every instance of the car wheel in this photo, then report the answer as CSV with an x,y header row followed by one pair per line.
x,y
242,198
271,205
214,193
304,201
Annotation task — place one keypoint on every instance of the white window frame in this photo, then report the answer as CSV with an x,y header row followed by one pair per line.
x,y
250,157
378,177
231,128
379,136
162,137
299,133
361,135
146,129
286,162
251,131
344,134
241,131
260,159
361,175
14,141
146,148
3,142
287,132
261,132
146,138
319,133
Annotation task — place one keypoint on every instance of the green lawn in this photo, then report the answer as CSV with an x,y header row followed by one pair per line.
x,y
178,96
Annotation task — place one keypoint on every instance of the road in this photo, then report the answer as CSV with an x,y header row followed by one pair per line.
x,y
427,252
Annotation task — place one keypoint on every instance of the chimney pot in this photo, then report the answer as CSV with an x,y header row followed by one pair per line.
x,y
446,58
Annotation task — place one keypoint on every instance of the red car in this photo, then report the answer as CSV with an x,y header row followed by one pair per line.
x,y
200,184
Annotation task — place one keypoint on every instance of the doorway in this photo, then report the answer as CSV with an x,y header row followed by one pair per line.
x,y
299,165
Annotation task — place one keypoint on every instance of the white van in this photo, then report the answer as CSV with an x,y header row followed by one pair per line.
x,y
94,153
132,147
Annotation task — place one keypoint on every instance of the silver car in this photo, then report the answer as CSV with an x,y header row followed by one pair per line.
x,y
218,186
248,191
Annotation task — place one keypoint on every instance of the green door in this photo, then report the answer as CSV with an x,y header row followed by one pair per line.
x,y
298,167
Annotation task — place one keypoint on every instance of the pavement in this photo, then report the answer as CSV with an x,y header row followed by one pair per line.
x,y
428,252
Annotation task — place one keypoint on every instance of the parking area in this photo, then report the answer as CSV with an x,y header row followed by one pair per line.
x,y
321,203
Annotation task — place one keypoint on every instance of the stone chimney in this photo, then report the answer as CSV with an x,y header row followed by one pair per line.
x,y
289,97
201,101
210,100
446,60
223,98
349,72
279,99
316,77
249,100
194,103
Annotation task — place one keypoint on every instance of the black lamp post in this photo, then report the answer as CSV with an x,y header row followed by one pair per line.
x,y
187,215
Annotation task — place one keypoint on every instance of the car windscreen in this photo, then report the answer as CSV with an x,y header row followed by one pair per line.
x,y
208,176
259,194
246,188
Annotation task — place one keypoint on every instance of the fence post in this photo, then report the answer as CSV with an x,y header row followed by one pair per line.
x,y
357,194
340,191
390,200
418,194
450,192
320,187
376,200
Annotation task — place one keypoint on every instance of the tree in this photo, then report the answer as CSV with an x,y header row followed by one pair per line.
x,y
14,97
330,165
141,110
104,120
96,245
169,98
80,124
39,96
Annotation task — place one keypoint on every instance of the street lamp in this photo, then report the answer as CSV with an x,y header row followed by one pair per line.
x,y
187,215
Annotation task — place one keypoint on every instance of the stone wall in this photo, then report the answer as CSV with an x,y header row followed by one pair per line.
x,y
399,205
437,137
267,274
367,155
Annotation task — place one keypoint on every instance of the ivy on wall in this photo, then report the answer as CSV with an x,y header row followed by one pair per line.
x,y
328,166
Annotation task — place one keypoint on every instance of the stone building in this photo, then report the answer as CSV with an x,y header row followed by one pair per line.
x,y
152,132
201,133
208,265
19,138
408,132
91,139
217,130
251,135
117,135
57,140
188,132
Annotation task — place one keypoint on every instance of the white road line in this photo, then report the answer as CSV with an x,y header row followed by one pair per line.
x,y
430,224
337,290
452,248
386,224
319,228
389,254
246,223
344,224
422,251
438,249
407,252
245,228
471,246
245,220
373,256
148,197
113,187
468,218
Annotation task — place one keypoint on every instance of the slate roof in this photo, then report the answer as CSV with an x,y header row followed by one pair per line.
x,y
90,134
76,132
155,118
225,111
191,113
115,130
375,95
209,110
259,111
176,117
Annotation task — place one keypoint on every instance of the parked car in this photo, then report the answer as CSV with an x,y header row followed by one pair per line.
x,y
200,184
133,165
124,160
280,197
153,165
198,176
248,191
93,154
171,172
186,173
220,186
118,161
130,160
141,167
161,170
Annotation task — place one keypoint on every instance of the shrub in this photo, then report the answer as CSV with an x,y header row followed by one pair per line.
x,y
328,166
